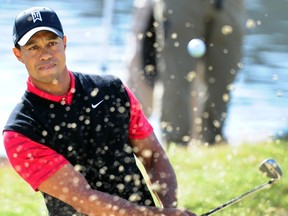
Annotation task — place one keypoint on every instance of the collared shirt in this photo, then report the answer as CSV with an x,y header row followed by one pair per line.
x,y
35,162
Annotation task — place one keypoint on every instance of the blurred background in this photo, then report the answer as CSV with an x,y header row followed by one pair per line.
x,y
98,42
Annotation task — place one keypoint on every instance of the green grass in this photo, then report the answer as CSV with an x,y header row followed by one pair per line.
x,y
17,198
207,178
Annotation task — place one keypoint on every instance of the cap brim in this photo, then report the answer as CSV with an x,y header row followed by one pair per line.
x,y
30,33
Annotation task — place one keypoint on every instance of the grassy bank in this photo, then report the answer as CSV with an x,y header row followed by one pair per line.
x,y
207,177
17,198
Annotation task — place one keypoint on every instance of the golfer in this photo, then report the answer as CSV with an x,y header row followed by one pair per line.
x,y
74,136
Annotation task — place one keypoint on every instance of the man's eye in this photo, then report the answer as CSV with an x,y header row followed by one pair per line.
x,y
33,48
52,43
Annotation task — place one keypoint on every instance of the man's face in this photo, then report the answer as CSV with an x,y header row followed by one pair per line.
x,y
44,57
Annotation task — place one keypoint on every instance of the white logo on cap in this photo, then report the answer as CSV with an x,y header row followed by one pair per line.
x,y
36,16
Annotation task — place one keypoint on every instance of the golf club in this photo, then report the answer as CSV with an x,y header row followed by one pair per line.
x,y
268,167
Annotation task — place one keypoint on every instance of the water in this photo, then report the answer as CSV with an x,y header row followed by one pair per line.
x,y
97,42
258,107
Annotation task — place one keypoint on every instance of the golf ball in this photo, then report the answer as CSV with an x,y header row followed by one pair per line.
x,y
196,48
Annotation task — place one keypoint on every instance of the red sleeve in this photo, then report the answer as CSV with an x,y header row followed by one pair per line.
x,y
139,127
32,161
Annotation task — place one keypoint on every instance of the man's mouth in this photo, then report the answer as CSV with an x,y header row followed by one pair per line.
x,y
47,66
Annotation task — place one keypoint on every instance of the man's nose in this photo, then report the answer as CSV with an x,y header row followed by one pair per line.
x,y
45,54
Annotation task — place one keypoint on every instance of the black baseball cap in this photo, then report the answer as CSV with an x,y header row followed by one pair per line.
x,y
33,20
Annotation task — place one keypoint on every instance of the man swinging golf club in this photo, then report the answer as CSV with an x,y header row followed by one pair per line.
x,y
74,136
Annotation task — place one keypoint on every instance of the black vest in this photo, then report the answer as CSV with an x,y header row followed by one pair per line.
x,y
94,139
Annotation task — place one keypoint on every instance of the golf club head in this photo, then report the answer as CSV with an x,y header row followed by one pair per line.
x,y
271,169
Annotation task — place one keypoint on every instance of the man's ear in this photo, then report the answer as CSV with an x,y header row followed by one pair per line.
x,y
65,42
17,53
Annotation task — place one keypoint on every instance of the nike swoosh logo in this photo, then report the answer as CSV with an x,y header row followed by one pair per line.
x,y
95,105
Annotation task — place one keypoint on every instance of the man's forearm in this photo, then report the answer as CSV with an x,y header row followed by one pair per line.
x,y
164,184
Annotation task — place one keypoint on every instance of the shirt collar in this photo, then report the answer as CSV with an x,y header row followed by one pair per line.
x,y
63,99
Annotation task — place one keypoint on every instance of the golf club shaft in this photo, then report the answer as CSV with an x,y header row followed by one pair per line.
x,y
238,198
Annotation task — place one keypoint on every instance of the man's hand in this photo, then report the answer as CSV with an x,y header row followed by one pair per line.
x,y
177,212
188,213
